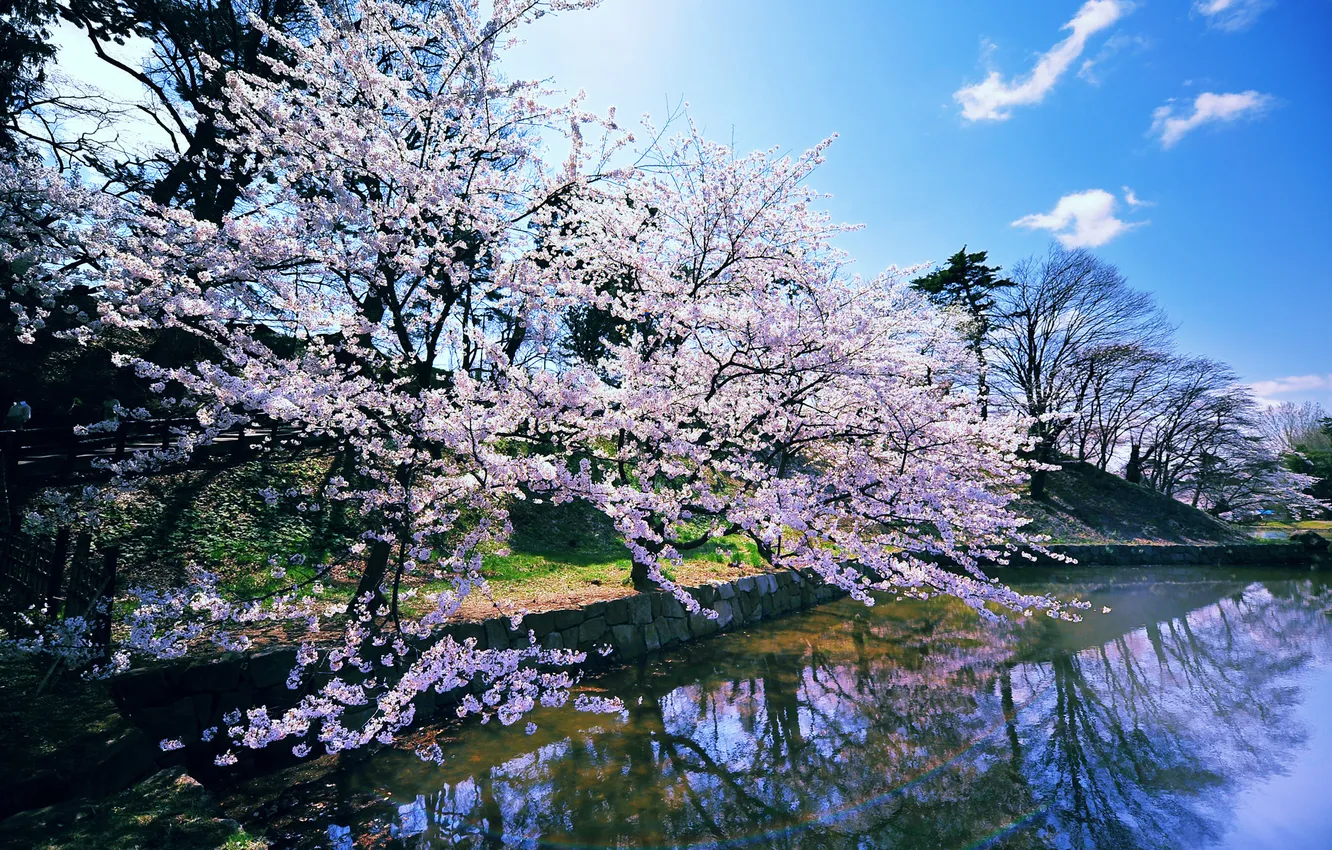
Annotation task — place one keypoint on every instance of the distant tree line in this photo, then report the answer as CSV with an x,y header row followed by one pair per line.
x,y
1092,362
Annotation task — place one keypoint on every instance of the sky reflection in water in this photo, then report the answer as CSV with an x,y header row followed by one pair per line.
x,y
1187,717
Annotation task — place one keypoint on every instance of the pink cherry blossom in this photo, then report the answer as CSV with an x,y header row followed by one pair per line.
x,y
432,266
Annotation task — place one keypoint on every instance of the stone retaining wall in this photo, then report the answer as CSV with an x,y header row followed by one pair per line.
x,y
180,700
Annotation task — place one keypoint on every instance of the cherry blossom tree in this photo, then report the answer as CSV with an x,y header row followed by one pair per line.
x,y
479,294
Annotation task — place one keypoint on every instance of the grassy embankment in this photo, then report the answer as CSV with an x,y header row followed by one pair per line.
x,y
1086,505
557,555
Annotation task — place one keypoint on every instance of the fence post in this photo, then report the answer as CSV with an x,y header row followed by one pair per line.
x,y
240,450
6,555
71,451
106,600
122,436
55,573
80,594
9,457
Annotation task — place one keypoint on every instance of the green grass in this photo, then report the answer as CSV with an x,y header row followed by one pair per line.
x,y
1303,525
565,549
576,539
534,566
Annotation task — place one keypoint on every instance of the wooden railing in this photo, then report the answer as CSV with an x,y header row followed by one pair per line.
x,y
65,443
38,457
54,444
28,570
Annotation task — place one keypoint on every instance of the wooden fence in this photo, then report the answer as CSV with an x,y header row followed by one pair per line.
x,y
28,572
58,579
62,446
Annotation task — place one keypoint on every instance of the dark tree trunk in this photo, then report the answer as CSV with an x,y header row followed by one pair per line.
x,y
983,387
1133,472
1044,453
376,568
638,576
1038,482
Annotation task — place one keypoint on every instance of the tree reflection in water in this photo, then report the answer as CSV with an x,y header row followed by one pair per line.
x,y
906,725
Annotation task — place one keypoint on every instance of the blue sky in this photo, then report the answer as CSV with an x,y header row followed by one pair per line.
x,y
1234,180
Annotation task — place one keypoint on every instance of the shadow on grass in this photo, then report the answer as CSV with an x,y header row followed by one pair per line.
x,y
219,520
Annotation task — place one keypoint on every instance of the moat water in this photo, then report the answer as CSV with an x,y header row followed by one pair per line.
x,y
1196,714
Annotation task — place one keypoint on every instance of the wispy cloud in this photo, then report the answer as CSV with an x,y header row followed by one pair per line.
x,y
1291,384
1231,15
1208,108
1081,220
1133,200
993,99
1095,68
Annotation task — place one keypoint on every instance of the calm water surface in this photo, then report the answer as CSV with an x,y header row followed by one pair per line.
x,y
1196,714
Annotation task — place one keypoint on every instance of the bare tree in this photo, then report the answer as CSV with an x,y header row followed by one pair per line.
x,y
1203,443
1087,359
1201,407
188,47
1288,425
1064,313
1124,385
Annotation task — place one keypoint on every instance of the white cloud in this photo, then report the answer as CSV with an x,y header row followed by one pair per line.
x,y
993,99
1231,15
1093,70
1133,200
1208,108
1292,384
1080,220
